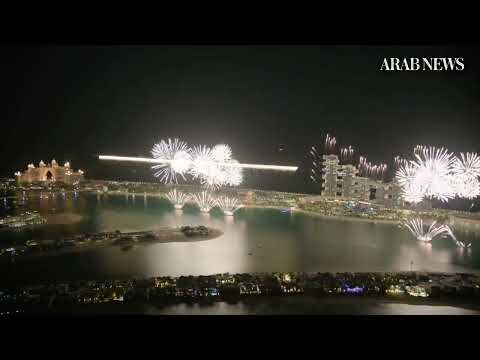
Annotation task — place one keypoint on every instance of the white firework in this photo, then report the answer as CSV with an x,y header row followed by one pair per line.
x,y
418,230
346,154
215,168
428,176
463,245
234,174
205,201
221,153
202,161
411,190
228,204
330,143
399,161
433,168
465,187
467,165
178,199
178,153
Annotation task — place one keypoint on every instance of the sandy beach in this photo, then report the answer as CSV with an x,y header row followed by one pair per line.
x,y
170,235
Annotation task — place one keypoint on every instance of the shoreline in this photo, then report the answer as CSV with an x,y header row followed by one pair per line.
x,y
276,305
164,236
333,217
457,215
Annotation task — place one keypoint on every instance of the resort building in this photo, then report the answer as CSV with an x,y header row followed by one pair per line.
x,y
51,172
342,181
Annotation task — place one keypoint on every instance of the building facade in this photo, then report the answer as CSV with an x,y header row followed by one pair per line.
x,y
51,172
342,181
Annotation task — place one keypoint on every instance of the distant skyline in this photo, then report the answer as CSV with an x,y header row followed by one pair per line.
x,y
76,102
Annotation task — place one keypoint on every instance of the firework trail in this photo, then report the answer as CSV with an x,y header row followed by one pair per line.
x,y
315,171
417,229
399,161
419,149
178,199
362,166
329,145
346,155
228,205
367,169
204,201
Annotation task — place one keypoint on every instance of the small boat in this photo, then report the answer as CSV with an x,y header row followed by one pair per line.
x,y
259,245
249,253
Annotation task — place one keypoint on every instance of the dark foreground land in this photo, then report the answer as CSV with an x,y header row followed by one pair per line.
x,y
259,293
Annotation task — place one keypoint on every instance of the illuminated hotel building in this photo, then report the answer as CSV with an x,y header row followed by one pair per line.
x,y
49,173
342,181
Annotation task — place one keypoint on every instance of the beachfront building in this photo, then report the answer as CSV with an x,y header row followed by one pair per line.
x,y
51,172
342,181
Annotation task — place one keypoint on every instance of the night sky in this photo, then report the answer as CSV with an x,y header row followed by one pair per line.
x,y
74,102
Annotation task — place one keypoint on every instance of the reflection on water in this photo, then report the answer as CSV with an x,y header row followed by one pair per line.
x,y
281,306
254,240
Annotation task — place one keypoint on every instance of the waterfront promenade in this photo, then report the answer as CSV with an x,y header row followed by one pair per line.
x,y
406,287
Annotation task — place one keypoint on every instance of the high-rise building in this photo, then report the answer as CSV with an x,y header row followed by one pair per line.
x,y
342,181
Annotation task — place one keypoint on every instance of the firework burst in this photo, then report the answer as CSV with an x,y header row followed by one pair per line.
x,y
467,165
178,152
228,205
465,187
429,175
411,190
418,230
178,199
221,153
202,161
205,201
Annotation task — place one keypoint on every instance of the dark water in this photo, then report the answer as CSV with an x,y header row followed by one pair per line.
x,y
278,306
276,241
